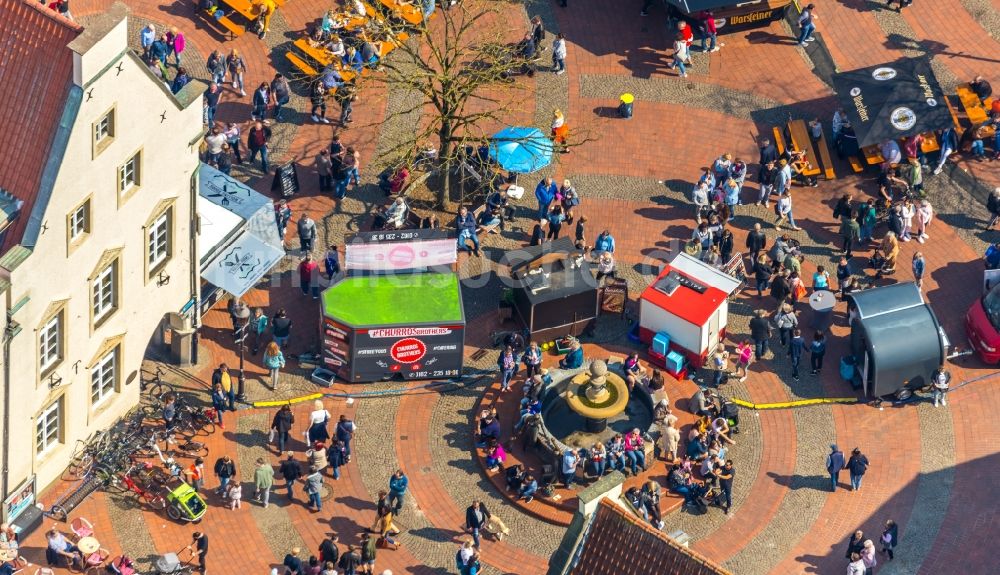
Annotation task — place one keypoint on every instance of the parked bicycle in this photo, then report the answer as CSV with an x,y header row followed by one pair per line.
x,y
184,448
82,460
109,447
193,421
146,490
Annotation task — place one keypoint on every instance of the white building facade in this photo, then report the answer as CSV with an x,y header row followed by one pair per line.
x,y
106,254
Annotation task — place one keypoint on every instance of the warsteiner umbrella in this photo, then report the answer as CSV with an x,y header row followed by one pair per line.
x,y
892,101
521,149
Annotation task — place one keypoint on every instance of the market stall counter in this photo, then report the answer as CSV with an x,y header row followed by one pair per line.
x,y
380,327
687,307
555,292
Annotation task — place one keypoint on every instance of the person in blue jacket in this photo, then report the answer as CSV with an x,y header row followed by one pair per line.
x,y
817,349
731,191
795,347
605,243
466,226
398,485
545,193
573,359
352,59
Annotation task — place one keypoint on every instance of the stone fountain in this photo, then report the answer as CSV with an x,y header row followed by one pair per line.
x,y
598,395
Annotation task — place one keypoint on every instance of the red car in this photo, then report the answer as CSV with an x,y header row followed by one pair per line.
x,y
982,326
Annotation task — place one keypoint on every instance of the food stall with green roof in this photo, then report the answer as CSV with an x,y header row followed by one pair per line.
x,y
402,326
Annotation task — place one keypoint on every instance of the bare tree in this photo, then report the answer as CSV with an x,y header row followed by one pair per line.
x,y
461,69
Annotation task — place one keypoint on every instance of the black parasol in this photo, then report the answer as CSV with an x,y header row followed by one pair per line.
x,y
692,6
892,101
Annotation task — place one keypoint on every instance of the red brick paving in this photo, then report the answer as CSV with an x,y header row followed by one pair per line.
x,y
621,42
655,150
970,525
956,38
778,436
852,35
443,508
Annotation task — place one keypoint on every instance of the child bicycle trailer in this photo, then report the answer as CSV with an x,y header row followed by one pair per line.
x,y
185,503
730,411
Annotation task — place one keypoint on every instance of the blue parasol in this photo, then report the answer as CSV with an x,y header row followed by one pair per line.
x,y
521,149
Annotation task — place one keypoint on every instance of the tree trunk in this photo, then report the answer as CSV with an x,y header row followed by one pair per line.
x,y
444,147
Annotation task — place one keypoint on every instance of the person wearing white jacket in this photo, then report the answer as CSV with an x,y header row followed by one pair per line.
x,y
559,54
681,55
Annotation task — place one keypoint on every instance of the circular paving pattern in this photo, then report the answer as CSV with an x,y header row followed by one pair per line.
x,y
929,465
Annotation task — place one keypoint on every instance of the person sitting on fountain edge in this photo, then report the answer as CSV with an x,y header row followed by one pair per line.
x,y
634,372
489,428
515,477
528,488
573,359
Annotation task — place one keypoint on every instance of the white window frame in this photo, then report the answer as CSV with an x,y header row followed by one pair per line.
x,y
104,378
159,232
130,174
79,222
104,128
104,290
46,341
48,428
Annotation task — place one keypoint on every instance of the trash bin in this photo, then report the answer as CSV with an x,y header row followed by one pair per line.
x,y
847,364
181,339
625,105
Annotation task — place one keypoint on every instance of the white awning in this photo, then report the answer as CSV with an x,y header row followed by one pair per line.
x,y
240,265
699,270
217,224
238,235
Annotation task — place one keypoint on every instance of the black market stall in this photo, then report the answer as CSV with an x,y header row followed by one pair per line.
x,y
896,340
730,16
402,326
238,240
892,101
397,311
555,292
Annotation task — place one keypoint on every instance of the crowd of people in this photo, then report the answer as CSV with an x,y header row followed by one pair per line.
x,y
697,462
325,450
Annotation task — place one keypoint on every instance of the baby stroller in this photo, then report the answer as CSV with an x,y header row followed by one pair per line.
x,y
170,564
695,499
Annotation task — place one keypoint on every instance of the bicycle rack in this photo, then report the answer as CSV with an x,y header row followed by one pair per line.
x,y
69,501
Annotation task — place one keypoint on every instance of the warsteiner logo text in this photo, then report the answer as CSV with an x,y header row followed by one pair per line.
x,y
925,86
862,109
751,17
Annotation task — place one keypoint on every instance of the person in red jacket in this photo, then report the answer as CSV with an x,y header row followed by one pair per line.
x,y
309,276
708,32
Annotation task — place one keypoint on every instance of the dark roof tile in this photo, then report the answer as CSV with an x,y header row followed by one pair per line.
x,y
35,79
620,542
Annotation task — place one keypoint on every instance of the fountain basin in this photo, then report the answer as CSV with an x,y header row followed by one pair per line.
x,y
597,402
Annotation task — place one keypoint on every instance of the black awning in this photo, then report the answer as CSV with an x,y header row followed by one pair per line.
x,y
694,6
892,101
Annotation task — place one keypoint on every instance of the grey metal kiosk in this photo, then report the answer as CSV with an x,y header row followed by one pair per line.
x,y
895,338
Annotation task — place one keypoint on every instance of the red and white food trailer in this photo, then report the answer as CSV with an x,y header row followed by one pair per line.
x,y
688,302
